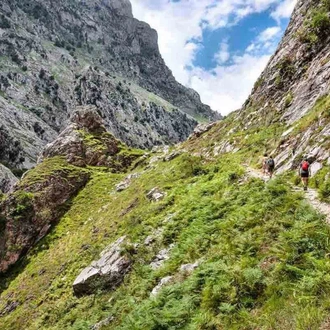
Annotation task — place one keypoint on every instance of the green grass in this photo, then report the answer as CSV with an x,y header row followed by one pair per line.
x,y
320,110
316,26
263,254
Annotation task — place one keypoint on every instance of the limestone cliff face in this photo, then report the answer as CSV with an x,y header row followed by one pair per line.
x,y
293,91
298,73
7,179
56,56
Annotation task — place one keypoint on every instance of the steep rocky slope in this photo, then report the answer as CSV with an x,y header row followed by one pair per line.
x,y
287,114
293,91
186,238
298,73
57,56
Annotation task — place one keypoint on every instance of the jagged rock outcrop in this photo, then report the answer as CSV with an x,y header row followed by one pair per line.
x,y
42,197
298,73
86,142
7,179
57,57
35,205
291,97
106,273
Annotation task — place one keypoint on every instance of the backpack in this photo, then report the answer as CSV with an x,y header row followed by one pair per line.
x,y
305,166
271,163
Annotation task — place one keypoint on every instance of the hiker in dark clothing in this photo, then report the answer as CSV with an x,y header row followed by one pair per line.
x,y
304,172
264,164
270,166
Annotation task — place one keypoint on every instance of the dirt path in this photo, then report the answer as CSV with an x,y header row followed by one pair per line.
x,y
311,194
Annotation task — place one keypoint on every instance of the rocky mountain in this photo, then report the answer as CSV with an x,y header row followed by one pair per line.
x,y
103,236
293,91
7,179
56,56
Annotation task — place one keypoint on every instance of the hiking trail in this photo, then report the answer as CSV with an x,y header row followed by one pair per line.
x,y
311,194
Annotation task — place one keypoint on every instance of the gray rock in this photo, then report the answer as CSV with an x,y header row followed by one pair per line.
x,y
189,268
7,179
152,238
172,155
202,129
102,324
155,194
161,257
9,307
86,142
184,269
106,273
121,186
161,284
315,168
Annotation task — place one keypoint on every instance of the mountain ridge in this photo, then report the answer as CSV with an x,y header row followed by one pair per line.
x,y
83,52
190,236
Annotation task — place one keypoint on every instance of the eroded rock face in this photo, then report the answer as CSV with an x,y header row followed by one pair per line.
x,y
35,205
7,179
106,273
86,53
297,74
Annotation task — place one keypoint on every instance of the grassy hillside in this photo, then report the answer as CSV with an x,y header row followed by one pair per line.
x,y
262,250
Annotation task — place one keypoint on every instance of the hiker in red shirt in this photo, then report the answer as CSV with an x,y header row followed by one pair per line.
x,y
304,172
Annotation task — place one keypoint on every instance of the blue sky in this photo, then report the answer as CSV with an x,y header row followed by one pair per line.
x,y
217,47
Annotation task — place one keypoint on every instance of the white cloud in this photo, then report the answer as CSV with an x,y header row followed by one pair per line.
x,y
223,55
227,87
180,22
284,9
269,33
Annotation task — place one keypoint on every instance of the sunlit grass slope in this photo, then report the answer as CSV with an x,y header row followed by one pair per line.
x,y
262,252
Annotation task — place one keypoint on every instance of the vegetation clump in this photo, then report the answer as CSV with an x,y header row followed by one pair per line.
x,y
286,71
317,26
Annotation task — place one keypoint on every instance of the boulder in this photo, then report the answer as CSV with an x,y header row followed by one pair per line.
x,y
189,268
161,257
172,155
202,129
123,185
184,269
155,194
161,284
315,168
7,179
153,237
106,273
9,307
